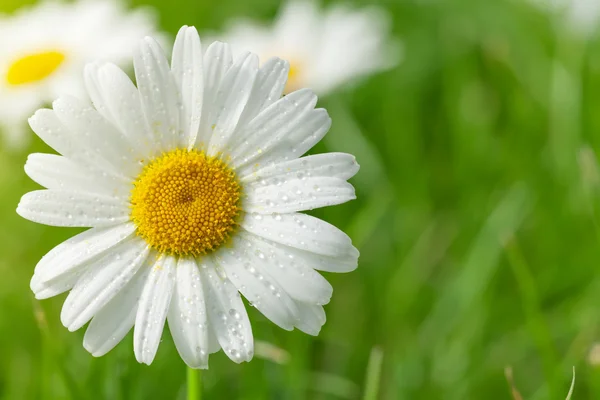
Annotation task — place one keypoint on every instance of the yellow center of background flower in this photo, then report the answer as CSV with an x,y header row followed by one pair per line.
x,y
185,203
34,67
293,82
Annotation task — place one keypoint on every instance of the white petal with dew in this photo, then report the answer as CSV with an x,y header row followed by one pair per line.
x,y
113,151
187,316
118,100
103,279
188,70
110,325
339,264
331,165
297,278
311,318
213,342
301,231
217,61
153,307
55,134
58,285
231,100
294,144
268,88
297,195
244,268
274,124
73,209
226,313
161,100
68,259
59,173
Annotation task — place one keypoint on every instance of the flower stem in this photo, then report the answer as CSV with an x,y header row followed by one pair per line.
x,y
373,374
194,384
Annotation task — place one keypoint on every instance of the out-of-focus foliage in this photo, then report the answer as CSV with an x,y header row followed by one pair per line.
x,y
477,219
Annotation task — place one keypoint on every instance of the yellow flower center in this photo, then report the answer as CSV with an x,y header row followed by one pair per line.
x,y
185,203
34,67
293,82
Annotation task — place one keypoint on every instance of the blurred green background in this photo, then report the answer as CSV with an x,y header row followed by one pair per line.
x,y
477,221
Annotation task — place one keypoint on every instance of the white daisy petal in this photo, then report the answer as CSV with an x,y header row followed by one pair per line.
x,y
310,318
117,99
217,62
103,279
65,261
187,316
233,96
226,314
301,231
160,97
72,209
55,134
307,134
243,266
268,88
48,127
59,173
333,165
187,67
58,285
110,325
275,124
298,195
295,276
94,131
338,264
212,342
153,307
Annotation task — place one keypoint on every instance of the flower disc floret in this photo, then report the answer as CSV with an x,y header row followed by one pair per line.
x,y
185,203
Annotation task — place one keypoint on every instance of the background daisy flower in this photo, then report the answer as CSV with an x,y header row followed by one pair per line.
x,y
193,186
43,49
325,48
581,16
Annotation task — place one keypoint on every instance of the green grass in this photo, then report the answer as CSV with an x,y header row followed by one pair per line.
x,y
477,219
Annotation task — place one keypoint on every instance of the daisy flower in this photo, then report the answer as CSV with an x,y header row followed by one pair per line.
x,y
325,49
193,185
44,48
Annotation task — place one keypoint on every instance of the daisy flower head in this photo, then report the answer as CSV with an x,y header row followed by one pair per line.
x,y
193,184
325,48
44,48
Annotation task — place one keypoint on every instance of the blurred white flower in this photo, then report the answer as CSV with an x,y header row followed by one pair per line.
x,y
193,185
594,355
325,48
581,16
43,50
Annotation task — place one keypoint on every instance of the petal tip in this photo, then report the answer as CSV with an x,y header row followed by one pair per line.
x,y
191,30
22,210
96,353
32,120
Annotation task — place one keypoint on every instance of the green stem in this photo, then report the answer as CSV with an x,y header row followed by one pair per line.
x,y
194,384
373,374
